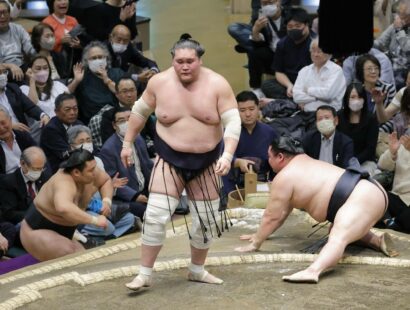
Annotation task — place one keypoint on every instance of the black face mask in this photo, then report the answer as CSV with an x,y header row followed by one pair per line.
x,y
295,34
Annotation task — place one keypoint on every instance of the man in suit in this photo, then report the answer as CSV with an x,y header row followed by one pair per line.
x,y
138,174
54,140
12,143
18,189
18,104
326,143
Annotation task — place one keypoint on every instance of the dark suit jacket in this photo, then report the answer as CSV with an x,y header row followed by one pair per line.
x,y
21,104
54,142
15,199
342,147
24,140
110,155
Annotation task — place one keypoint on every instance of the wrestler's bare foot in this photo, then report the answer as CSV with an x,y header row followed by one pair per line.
x,y
139,282
304,276
204,277
386,246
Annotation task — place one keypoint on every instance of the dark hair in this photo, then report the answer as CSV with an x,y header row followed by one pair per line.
x,y
61,98
405,102
6,4
36,34
118,110
247,95
287,145
361,91
360,65
326,108
298,15
49,83
76,159
117,85
50,4
186,41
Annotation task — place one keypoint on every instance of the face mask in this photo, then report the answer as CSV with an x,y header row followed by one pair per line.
x,y
3,80
295,34
269,10
86,146
122,129
33,175
356,104
48,44
119,48
41,76
97,64
326,127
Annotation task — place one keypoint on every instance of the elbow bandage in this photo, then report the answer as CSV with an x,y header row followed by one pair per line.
x,y
232,123
142,109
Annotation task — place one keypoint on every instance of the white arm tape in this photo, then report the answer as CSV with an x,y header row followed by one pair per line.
x,y
227,156
232,123
142,109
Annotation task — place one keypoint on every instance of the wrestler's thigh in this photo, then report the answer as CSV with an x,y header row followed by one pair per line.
x,y
164,179
204,187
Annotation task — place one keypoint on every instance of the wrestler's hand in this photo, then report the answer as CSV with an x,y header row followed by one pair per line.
x,y
102,221
223,166
248,248
126,156
106,209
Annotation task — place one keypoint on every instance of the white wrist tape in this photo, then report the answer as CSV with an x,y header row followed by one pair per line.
x,y
232,123
108,201
227,156
142,109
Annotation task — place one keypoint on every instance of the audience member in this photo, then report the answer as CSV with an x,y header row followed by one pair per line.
x,y
18,105
138,174
48,228
357,122
125,56
12,143
395,40
253,144
119,221
321,83
62,25
327,143
397,159
292,54
97,88
126,93
386,68
41,90
102,18
15,43
383,12
267,30
15,8
54,140
19,188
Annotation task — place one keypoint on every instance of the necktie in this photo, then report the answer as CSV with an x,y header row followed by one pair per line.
x,y
30,190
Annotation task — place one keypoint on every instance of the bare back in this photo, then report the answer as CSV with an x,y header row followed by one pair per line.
x,y
189,115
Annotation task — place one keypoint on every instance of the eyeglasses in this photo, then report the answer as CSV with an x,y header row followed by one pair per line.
x,y
5,13
126,91
372,69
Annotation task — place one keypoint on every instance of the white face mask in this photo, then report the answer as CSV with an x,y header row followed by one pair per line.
x,y
122,129
33,175
356,104
97,64
41,76
86,146
48,43
269,10
326,127
3,80
119,48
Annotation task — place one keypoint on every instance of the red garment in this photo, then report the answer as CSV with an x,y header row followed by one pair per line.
x,y
60,29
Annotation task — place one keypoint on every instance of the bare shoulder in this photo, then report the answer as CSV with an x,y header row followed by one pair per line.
x,y
215,78
63,183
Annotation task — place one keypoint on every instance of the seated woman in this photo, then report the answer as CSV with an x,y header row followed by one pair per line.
x,y
397,159
42,90
368,72
360,125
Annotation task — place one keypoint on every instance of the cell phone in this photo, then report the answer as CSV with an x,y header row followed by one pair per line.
x,y
260,13
76,31
129,2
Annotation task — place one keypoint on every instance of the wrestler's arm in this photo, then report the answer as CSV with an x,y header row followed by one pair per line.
x,y
276,212
104,184
228,110
64,193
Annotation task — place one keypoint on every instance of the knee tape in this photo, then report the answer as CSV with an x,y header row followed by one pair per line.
x,y
210,216
159,210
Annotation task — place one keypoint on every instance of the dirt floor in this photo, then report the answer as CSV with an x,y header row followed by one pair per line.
x,y
98,283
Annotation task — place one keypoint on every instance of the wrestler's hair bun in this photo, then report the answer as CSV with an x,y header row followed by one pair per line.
x,y
290,145
185,36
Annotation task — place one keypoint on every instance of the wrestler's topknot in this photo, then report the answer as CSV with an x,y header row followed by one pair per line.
x,y
186,41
